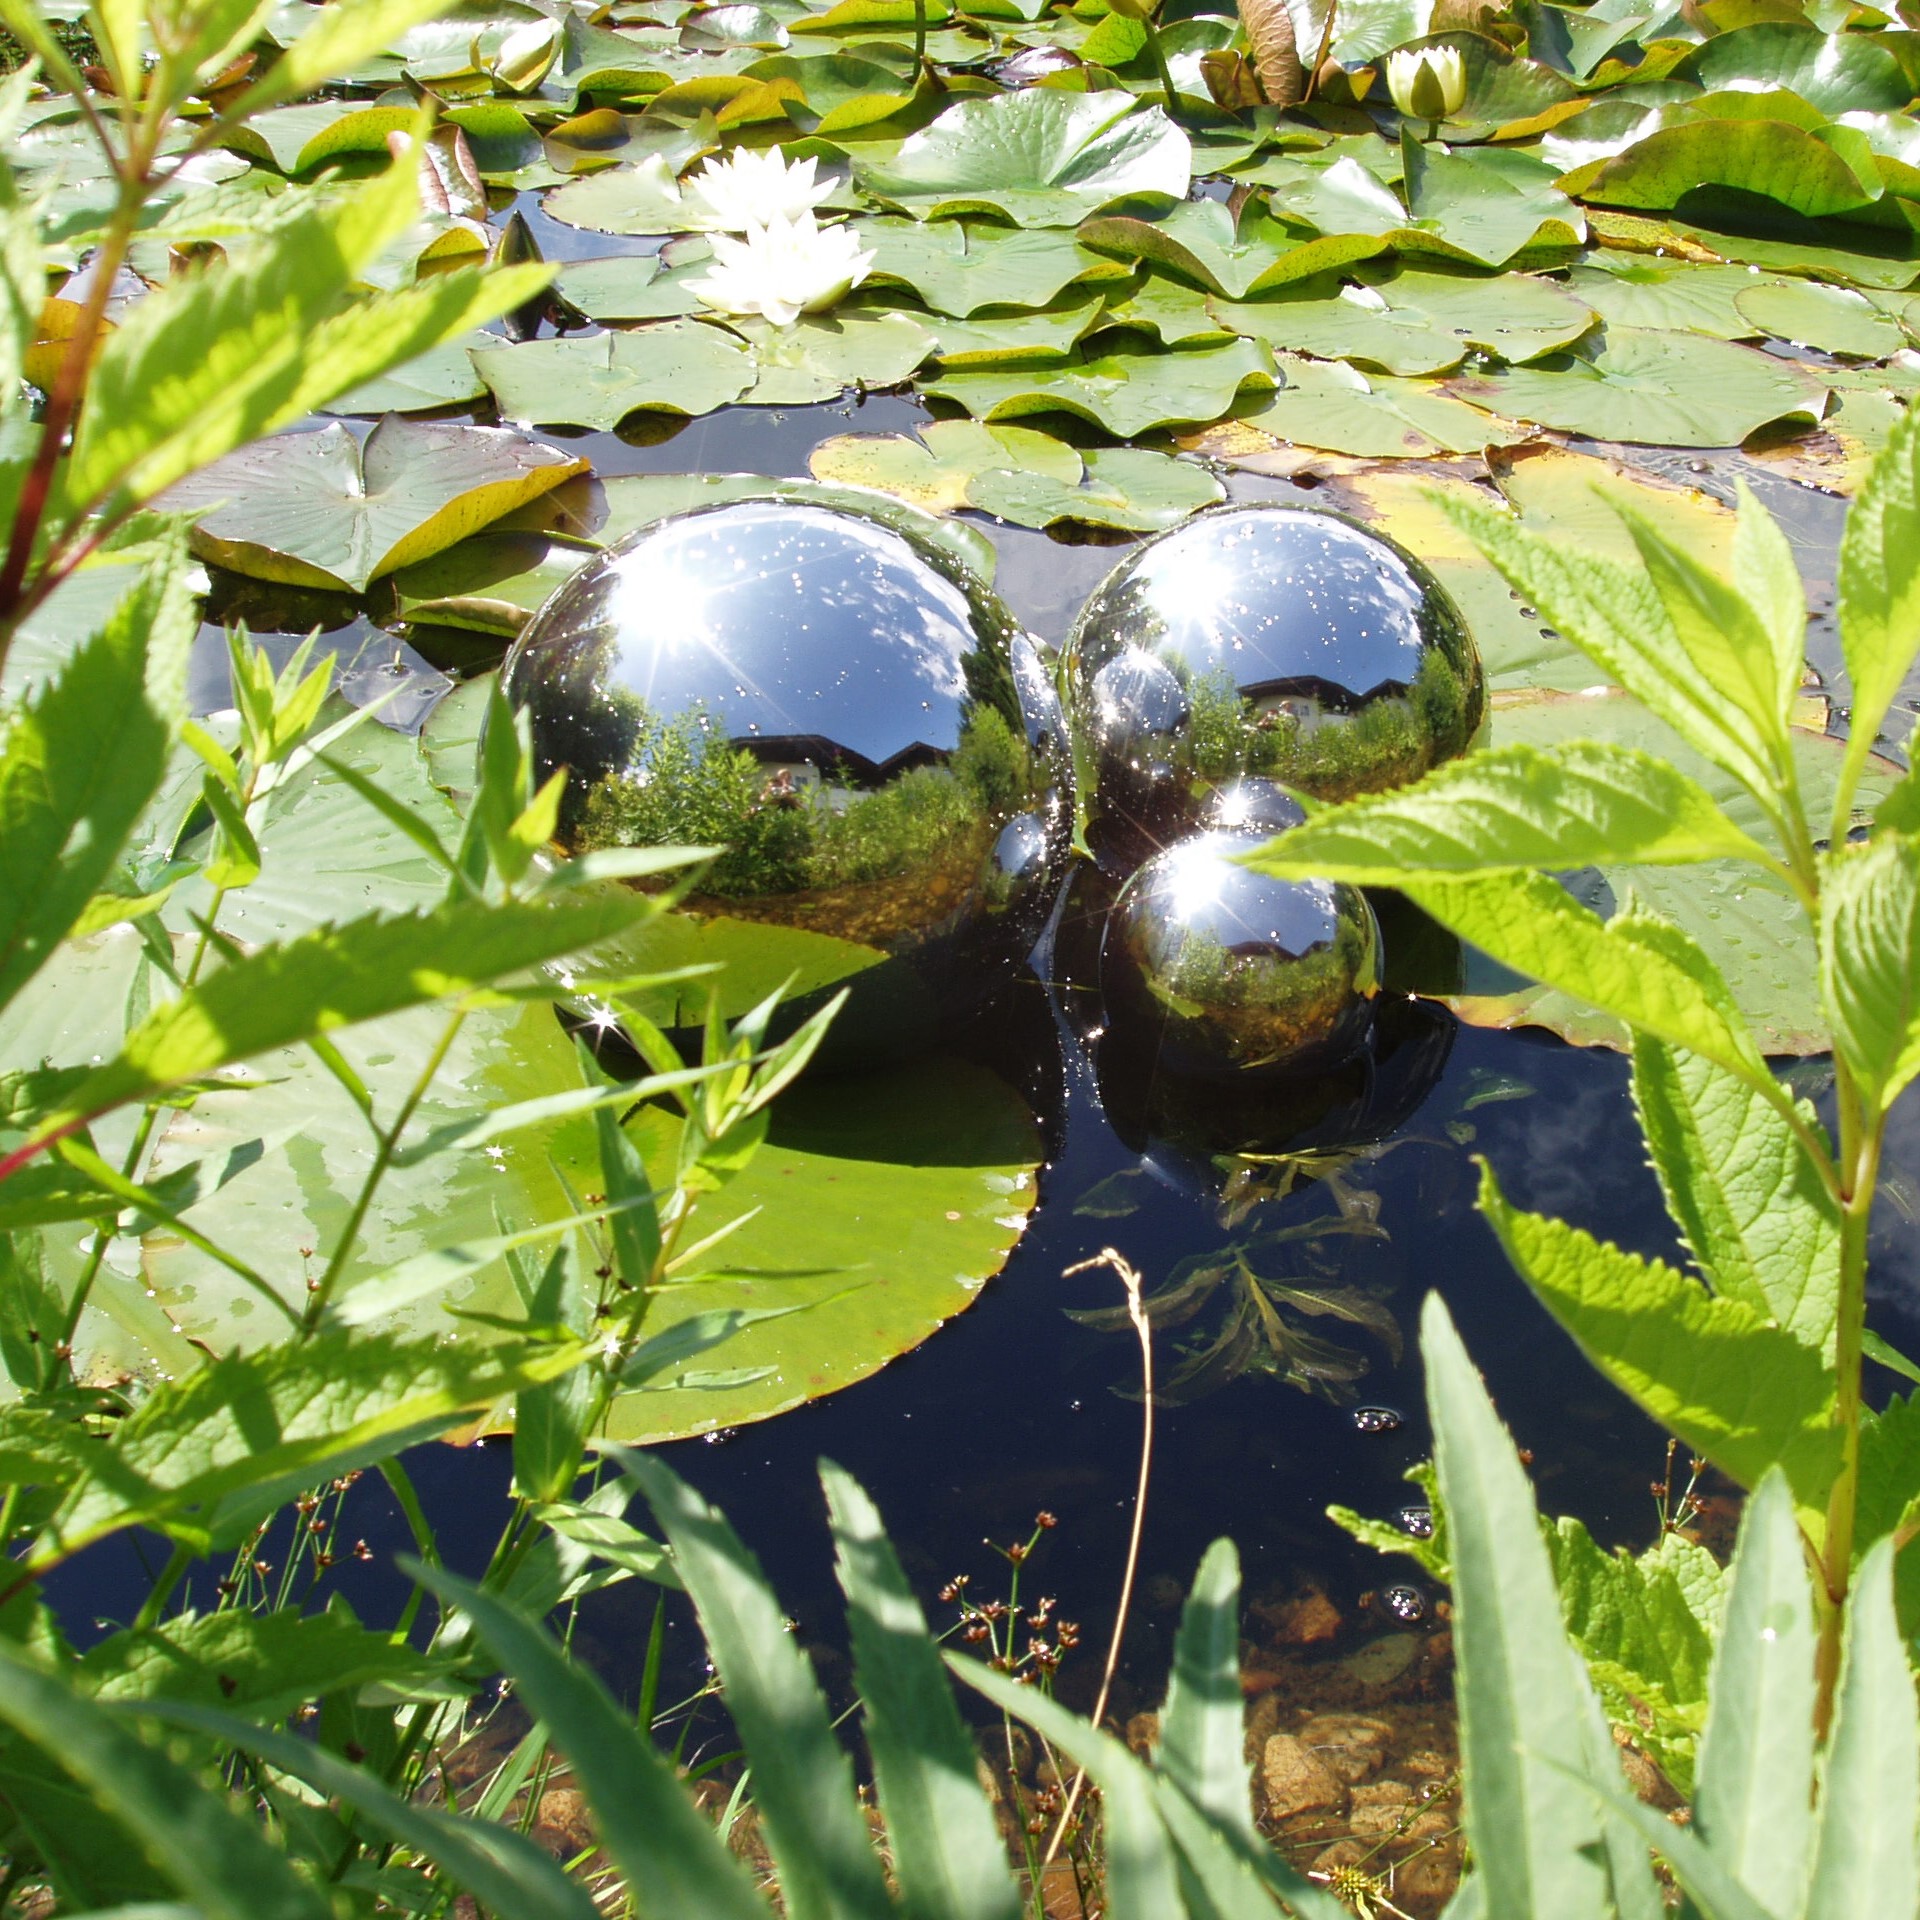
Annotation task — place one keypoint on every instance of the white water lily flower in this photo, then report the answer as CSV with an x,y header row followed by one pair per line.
x,y
753,189
783,269
1427,83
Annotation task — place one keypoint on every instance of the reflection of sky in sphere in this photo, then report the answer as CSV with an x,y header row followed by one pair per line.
x,y
1271,596
1195,889
789,621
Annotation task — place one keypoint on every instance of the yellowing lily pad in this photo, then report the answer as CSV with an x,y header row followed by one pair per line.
x,y
934,469
321,510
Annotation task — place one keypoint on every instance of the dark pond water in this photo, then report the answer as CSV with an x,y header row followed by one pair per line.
x,y
1013,1409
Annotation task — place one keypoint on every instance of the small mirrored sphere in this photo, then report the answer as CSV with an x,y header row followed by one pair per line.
x,y
1232,972
1280,643
844,709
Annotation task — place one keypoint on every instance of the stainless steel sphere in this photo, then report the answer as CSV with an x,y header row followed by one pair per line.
x,y
843,708
1229,972
1286,644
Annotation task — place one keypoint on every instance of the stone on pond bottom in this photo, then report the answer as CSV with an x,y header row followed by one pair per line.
x,y
1226,970
1286,644
842,707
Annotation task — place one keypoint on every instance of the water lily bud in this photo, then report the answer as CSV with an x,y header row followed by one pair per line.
x,y
1428,84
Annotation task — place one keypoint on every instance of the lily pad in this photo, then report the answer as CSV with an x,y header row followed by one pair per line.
x,y
1041,158
1416,321
1857,256
821,355
830,94
1834,319
1703,165
493,583
885,1203
443,376
322,510
961,266
1176,314
934,469
1046,335
1651,388
1327,404
1125,487
631,286
671,366
1630,290
1126,393
1201,240
1834,72
642,198
1753,930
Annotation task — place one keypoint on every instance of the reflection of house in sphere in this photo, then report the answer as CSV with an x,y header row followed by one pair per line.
x,y
1289,644
1218,969
846,711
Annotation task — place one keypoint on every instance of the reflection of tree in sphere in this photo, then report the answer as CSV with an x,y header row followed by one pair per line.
x,y
839,705
1229,971
1287,644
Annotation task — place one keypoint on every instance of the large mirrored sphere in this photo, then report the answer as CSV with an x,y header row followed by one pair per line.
x,y
1225,971
1278,643
842,707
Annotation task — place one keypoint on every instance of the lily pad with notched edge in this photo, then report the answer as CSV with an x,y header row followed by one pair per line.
x,y
1044,336
1754,930
1201,240
1127,393
443,376
1833,319
1651,388
321,510
1335,407
1415,321
887,1202
934,469
961,266
1042,158
671,366
1125,487
821,355
632,286
1835,72
1630,290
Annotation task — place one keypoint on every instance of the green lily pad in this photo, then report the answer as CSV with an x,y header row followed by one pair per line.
x,y
1200,239
961,266
1695,167
886,1204
322,510
1653,389
1630,290
1041,158
642,198
1834,319
443,376
1835,72
934,469
1335,407
1125,487
1856,256
493,583
1126,393
1416,321
1753,930
834,93
1174,313
821,355
670,366
630,286
1045,335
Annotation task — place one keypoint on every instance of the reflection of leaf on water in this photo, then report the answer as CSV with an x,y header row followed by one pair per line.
x,y
1485,1088
1113,1198
1255,1336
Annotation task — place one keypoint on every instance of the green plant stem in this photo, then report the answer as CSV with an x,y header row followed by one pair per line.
x,y
919,40
1165,72
161,1591
389,1143
1860,1143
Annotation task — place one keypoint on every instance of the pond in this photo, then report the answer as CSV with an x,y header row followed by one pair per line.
x,y
1065,342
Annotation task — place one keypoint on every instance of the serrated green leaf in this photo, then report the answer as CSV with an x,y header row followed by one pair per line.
x,y
1757,1217
1753,1801
946,1850
1532,1830
1737,1390
1515,807
1870,962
